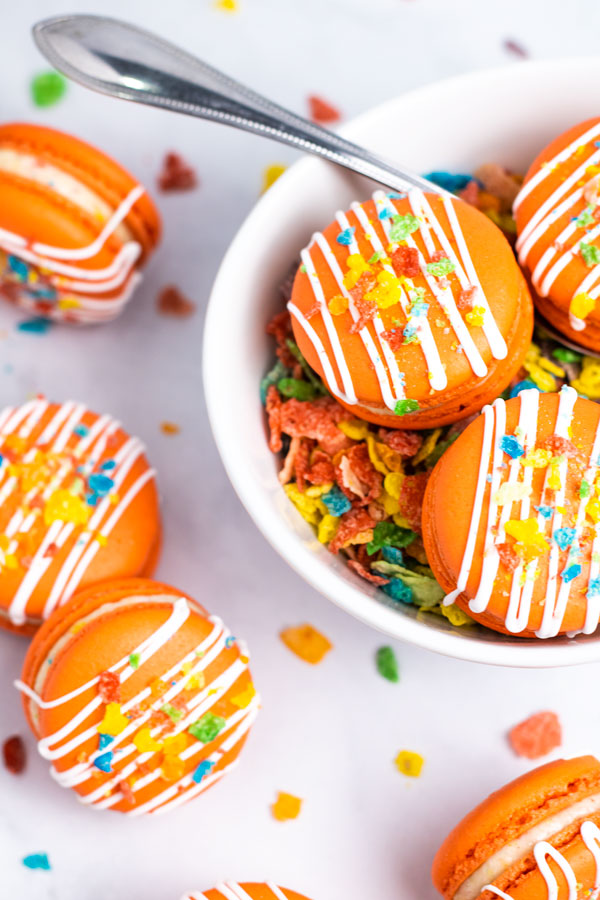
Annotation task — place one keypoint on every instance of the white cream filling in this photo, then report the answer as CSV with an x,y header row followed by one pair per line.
x,y
33,169
522,846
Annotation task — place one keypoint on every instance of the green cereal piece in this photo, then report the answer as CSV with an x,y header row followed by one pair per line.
x,y
207,728
134,660
387,664
172,712
294,387
563,354
403,226
47,88
405,406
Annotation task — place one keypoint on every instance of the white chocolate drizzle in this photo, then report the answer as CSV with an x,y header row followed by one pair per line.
x,y
390,377
488,481
68,738
231,890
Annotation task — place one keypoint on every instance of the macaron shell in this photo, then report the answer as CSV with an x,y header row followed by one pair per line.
x,y
556,307
127,613
256,892
508,813
448,506
93,168
502,283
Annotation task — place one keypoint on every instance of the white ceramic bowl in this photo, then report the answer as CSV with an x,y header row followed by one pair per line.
x,y
503,115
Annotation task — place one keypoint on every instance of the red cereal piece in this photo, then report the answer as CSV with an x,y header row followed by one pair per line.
x,y
273,408
405,262
280,327
302,464
109,687
406,443
411,499
366,308
508,557
321,110
536,736
365,471
395,338
316,419
176,174
354,522
14,754
465,299
470,193
364,573
517,49
128,795
438,255
322,470
560,446
171,302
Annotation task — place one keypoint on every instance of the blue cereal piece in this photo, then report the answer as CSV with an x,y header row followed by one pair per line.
x,y
81,431
36,325
450,181
336,502
37,861
564,537
104,741
545,511
398,591
202,770
346,236
392,555
572,572
511,446
100,484
594,587
525,385
104,761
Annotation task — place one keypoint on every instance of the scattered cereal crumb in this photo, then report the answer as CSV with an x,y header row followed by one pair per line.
x,y
37,861
270,175
286,807
169,428
514,47
321,110
409,763
230,6
14,755
387,664
536,736
36,325
47,88
172,302
307,643
176,174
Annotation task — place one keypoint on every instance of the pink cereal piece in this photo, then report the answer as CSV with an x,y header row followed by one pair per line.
x,y
536,736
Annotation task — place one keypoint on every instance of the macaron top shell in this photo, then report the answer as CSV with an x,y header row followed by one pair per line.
x,y
557,213
139,698
510,512
510,812
79,505
231,890
406,297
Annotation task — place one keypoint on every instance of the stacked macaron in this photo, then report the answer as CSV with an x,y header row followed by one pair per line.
x,y
75,227
537,838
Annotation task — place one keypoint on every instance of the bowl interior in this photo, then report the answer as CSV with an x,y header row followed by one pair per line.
x,y
503,115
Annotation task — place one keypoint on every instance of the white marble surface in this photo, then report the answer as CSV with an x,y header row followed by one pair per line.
x,y
327,734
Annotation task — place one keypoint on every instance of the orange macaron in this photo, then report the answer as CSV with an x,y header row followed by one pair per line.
x,y
75,227
511,516
537,838
412,309
139,698
231,890
78,505
557,213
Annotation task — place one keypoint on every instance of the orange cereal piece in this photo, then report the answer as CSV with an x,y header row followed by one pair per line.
x,y
286,807
536,736
307,643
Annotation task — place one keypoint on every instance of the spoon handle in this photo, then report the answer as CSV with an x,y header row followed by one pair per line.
x,y
125,61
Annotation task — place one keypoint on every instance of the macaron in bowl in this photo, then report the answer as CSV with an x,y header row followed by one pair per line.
x,y
537,838
76,228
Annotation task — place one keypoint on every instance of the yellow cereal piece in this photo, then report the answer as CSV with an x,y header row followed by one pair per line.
x,y
476,316
389,457
588,382
63,506
307,506
455,615
528,535
538,459
172,768
10,561
229,6
357,266
286,807
409,763
4,542
387,292
144,742
174,744
327,528
270,175
551,367
401,521
355,429
317,490
511,493
554,480
390,504
393,484
306,642
372,447
364,537
581,305
543,380
427,446
338,305
68,303
593,509
196,682
101,539
245,698
114,722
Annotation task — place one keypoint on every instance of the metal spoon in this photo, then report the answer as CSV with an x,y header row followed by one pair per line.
x,y
125,61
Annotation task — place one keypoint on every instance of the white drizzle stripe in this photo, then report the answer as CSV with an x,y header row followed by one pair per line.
x,y
547,168
89,280
364,333
277,891
231,890
322,354
392,365
486,446
436,372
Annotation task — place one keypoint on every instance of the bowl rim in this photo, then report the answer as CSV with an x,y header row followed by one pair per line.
x,y
506,652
